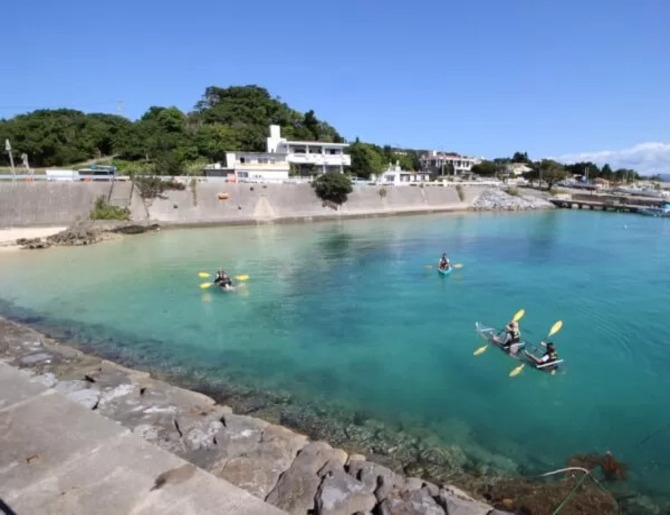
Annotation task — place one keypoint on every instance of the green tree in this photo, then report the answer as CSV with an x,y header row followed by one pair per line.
x,y
214,140
486,169
333,187
551,172
365,159
520,157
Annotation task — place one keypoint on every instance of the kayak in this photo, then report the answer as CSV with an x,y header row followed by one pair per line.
x,y
445,272
227,288
516,350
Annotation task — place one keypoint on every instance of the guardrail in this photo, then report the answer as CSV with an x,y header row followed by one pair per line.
x,y
201,178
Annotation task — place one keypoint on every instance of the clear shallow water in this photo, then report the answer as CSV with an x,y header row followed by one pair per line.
x,y
347,313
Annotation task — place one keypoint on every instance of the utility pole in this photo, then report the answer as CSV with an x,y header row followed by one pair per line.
x,y
8,149
119,107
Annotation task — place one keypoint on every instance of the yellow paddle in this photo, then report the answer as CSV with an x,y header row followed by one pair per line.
x,y
238,277
554,329
205,285
519,314
457,265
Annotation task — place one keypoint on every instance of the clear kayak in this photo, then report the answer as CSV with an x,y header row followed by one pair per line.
x,y
492,335
445,271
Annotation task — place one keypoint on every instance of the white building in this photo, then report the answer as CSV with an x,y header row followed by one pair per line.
x,y
309,156
441,163
275,164
516,169
395,176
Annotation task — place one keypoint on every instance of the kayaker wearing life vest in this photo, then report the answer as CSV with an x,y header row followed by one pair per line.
x,y
444,262
549,356
223,279
512,336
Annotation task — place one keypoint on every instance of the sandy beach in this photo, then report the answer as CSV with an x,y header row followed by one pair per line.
x,y
9,236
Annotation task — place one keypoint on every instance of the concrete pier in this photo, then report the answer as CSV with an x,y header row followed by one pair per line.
x,y
56,456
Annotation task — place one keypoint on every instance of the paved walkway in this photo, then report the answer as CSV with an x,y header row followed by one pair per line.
x,y
57,457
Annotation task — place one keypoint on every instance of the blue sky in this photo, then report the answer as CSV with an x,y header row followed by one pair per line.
x,y
485,77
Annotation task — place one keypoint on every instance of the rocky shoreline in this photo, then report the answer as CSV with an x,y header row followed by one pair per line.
x,y
272,462
87,233
499,200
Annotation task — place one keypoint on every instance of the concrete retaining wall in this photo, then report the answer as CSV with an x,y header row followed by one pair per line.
x,y
26,204
47,203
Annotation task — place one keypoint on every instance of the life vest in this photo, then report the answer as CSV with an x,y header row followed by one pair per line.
x,y
553,356
515,337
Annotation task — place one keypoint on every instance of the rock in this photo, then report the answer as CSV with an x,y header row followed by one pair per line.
x,y
297,487
375,478
457,502
498,200
355,457
254,458
49,379
416,502
341,494
196,438
33,359
79,392
87,233
33,243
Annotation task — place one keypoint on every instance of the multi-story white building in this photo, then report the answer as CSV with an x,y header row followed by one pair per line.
x,y
441,163
275,164
309,156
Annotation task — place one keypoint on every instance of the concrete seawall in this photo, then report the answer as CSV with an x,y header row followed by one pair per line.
x,y
62,203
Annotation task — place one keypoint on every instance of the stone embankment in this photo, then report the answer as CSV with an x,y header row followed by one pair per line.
x,y
271,462
498,200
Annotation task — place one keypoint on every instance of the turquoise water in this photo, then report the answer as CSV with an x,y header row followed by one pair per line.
x,y
347,313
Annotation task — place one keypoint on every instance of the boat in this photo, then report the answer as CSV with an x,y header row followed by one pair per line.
x,y
663,211
445,272
488,332
227,288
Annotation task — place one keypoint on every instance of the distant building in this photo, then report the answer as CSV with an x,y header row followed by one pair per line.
x,y
396,176
516,169
309,156
440,163
305,157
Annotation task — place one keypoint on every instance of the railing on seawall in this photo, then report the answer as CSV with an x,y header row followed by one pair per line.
x,y
201,178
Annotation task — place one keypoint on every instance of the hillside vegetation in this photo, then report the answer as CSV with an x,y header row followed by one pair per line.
x,y
166,140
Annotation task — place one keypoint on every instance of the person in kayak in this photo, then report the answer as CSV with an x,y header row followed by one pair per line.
x,y
549,356
223,279
512,337
444,262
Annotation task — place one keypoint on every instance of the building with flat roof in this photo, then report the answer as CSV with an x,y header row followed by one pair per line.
x,y
282,156
441,163
309,157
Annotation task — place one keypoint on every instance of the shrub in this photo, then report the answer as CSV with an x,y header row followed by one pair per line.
x,y
152,187
332,187
382,192
513,191
103,211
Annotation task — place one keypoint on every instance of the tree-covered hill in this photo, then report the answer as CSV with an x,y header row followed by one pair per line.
x,y
167,140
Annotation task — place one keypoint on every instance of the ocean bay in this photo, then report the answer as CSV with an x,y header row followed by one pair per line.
x,y
347,313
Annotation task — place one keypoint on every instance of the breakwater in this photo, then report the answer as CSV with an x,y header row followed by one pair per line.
x,y
273,463
213,201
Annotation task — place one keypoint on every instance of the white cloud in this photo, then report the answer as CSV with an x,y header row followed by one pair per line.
x,y
645,158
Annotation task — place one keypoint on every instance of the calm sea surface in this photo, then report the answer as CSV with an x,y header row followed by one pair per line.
x,y
347,313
